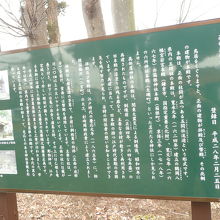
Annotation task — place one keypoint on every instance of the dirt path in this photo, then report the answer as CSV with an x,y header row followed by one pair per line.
x,y
53,207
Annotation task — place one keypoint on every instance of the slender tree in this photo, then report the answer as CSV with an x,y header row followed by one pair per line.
x,y
123,15
93,18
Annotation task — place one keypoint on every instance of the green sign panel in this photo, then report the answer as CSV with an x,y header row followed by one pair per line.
x,y
137,115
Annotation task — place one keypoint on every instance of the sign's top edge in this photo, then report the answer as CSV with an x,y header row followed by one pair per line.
x,y
145,31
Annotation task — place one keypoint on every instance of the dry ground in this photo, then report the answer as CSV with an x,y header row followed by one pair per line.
x,y
62,207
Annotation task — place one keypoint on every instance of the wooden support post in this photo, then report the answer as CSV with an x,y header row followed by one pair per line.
x,y
201,210
8,206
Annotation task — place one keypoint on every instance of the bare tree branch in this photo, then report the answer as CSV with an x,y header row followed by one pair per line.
x,y
32,21
9,13
41,4
188,9
44,15
10,30
34,17
158,11
205,12
23,20
181,11
10,25
183,17
6,32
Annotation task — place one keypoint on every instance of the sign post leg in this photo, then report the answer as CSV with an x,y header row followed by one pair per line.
x,y
201,210
8,206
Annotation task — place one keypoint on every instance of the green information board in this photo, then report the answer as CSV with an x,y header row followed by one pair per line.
x,y
135,114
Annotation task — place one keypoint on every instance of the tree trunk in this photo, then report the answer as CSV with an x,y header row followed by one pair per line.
x,y
52,25
34,21
93,18
123,15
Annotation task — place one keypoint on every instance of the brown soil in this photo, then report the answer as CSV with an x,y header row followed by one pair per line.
x,y
62,207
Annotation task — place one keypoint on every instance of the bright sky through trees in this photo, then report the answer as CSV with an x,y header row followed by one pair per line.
x,y
147,15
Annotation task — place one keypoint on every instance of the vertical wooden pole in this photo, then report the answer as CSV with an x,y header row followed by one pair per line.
x,y
8,206
201,210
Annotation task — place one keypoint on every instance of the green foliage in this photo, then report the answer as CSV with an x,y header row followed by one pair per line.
x,y
61,7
